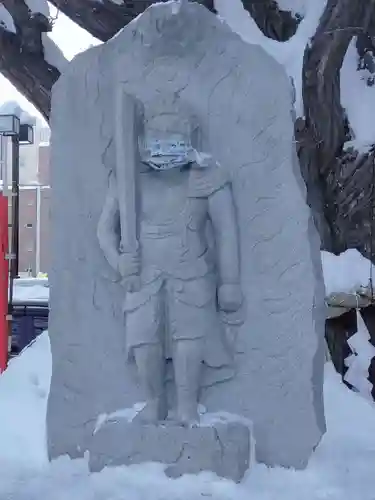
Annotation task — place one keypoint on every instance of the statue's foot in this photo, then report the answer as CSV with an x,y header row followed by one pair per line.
x,y
153,412
188,416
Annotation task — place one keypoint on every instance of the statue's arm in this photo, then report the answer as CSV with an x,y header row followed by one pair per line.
x,y
107,230
223,217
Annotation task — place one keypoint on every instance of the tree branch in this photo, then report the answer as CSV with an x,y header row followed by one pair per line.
x,y
22,57
274,23
104,18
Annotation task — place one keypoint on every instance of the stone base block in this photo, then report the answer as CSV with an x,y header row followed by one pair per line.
x,y
223,448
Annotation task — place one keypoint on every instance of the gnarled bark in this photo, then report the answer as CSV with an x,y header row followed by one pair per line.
x,y
274,23
342,179
22,58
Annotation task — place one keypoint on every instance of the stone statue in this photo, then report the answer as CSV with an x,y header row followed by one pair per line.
x,y
190,288
183,282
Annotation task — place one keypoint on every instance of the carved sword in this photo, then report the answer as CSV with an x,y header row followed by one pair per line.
x,y
126,141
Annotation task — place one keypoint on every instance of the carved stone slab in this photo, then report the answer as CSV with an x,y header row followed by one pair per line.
x,y
243,99
223,448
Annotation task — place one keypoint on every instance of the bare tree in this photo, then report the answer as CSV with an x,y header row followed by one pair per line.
x,y
339,181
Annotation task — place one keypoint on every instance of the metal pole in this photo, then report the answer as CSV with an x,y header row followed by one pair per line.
x,y
15,204
38,203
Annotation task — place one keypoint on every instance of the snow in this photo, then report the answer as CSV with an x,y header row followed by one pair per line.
x,y
38,6
358,363
13,108
362,146
6,19
31,290
294,6
341,467
53,55
347,272
359,110
24,388
289,53
350,272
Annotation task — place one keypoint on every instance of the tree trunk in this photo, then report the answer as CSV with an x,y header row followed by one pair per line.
x,y
339,183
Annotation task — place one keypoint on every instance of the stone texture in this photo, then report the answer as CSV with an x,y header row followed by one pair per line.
x,y
244,101
223,448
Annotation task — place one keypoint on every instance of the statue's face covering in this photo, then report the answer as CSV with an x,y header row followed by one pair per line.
x,y
166,143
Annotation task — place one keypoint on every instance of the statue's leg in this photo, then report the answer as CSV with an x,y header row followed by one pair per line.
x,y
192,313
187,362
143,327
150,363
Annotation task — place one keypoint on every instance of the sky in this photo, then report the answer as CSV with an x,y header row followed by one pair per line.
x,y
70,38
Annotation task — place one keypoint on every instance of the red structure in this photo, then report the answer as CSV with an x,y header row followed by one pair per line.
x,y
4,282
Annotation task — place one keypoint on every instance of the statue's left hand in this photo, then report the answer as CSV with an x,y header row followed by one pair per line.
x,y
230,297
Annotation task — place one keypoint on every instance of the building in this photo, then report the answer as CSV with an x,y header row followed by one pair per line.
x,y
34,229
29,153
34,199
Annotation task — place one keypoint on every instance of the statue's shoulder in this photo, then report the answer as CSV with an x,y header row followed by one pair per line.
x,y
206,180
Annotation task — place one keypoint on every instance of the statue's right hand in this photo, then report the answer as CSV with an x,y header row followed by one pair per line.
x,y
128,264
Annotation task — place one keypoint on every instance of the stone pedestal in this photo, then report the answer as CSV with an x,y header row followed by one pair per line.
x,y
223,448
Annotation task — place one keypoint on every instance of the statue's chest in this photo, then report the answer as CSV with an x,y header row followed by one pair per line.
x,y
164,198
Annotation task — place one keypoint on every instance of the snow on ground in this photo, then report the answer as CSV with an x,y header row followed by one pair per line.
x,y
24,388
341,467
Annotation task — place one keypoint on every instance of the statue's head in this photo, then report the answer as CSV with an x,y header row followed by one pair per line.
x,y
169,137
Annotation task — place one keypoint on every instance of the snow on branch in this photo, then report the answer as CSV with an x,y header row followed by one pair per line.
x,y
347,279
52,53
